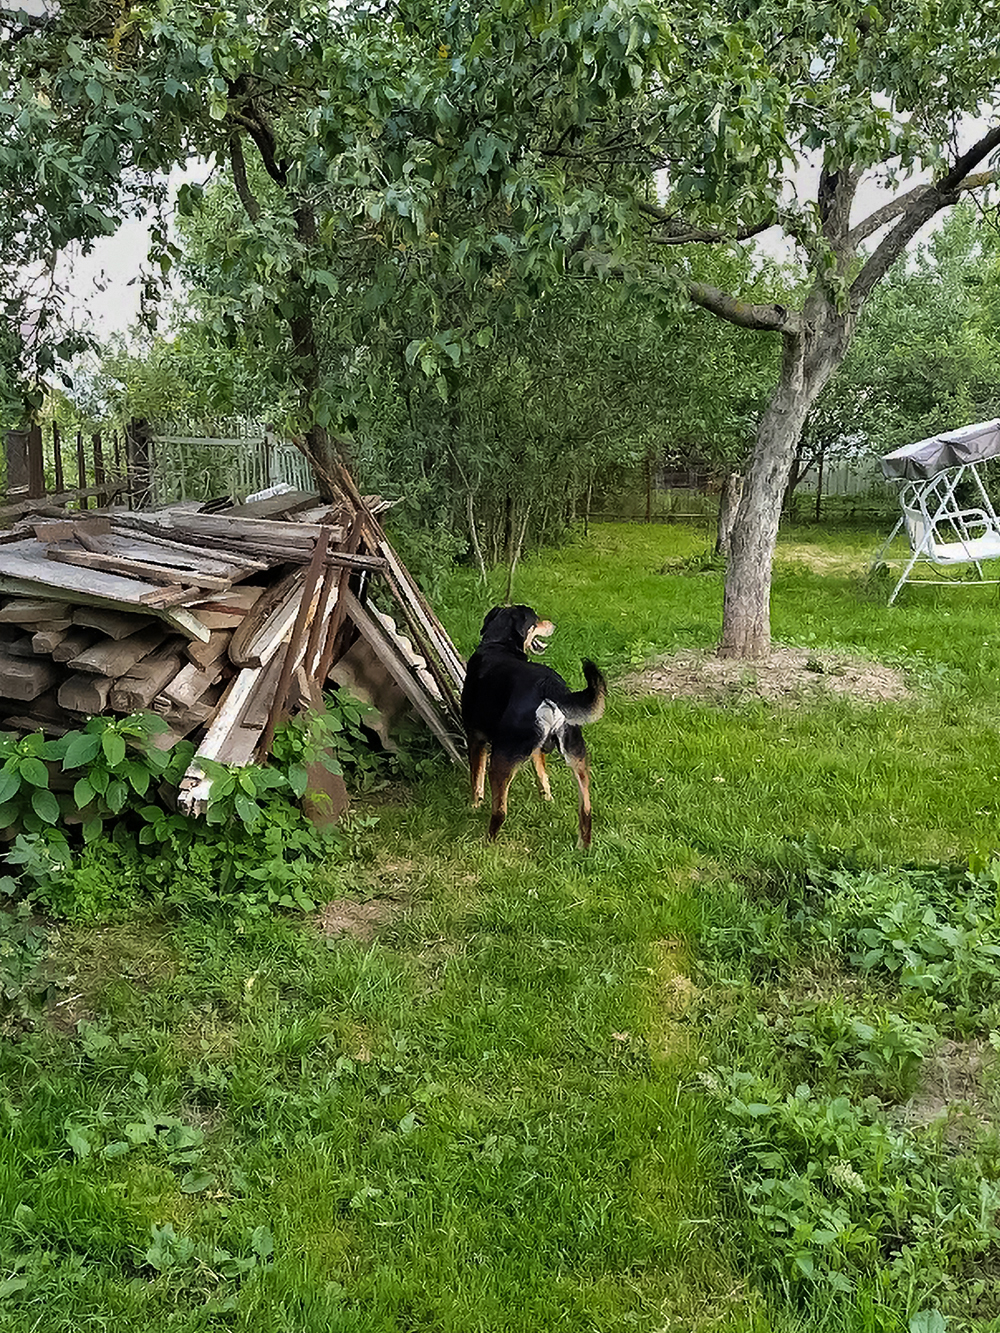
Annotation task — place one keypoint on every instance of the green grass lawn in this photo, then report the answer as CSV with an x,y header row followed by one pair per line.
x,y
491,1117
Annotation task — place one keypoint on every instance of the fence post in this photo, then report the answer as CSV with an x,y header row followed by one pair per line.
x,y
137,439
25,462
819,485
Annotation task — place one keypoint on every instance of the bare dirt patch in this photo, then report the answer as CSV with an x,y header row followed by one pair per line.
x,y
954,1086
788,675
818,560
359,921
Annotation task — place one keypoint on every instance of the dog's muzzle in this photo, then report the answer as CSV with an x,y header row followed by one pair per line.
x,y
538,639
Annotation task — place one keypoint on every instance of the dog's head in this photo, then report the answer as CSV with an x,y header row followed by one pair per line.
x,y
517,628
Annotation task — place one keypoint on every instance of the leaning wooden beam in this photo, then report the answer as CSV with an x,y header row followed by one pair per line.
x,y
195,786
306,610
373,635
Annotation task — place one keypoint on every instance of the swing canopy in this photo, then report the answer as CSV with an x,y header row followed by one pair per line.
x,y
953,448
941,531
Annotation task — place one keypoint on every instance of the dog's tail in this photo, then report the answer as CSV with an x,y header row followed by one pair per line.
x,y
586,705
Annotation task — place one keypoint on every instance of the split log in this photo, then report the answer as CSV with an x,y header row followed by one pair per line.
x,y
116,657
73,644
48,640
85,694
136,690
24,678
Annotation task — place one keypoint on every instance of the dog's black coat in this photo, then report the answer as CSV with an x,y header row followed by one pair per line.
x,y
522,709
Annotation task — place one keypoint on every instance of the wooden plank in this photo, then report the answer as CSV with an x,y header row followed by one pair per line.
x,y
85,693
66,529
288,503
242,646
172,594
81,466
57,457
115,624
297,643
25,678
33,506
116,657
153,535
29,560
32,611
135,691
200,439
195,786
248,529
227,612
190,683
178,618
137,546
204,654
114,564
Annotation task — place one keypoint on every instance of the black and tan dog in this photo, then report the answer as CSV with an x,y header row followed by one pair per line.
x,y
521,710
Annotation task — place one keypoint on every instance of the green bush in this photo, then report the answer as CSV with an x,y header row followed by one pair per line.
x,y
253,851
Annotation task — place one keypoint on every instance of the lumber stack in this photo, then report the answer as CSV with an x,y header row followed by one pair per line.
x,y
221,620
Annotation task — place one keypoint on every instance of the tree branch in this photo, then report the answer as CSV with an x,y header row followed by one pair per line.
x,y
922,206
247,198
680,232
768,318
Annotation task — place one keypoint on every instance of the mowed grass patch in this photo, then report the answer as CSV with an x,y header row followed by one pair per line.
x,y
489,1118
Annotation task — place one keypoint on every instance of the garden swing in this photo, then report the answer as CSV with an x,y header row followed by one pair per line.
x,y
940,532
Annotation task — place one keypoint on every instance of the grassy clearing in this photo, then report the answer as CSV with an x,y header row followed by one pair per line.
x,y
492,1118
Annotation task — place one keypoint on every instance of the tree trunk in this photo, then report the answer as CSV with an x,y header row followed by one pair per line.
x,y
808,362
729,502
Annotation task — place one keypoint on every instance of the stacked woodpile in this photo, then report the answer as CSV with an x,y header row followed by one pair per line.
x,y
220,619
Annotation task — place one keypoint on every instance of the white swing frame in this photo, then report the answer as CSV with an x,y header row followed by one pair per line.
x,y
940,533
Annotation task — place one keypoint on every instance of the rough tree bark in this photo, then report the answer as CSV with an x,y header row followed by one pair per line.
x,y
808,362
730,496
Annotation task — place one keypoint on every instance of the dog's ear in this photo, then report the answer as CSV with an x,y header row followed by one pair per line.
x,y
524,619
490,617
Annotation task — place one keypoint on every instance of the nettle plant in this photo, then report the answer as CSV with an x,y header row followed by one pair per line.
x,y
94,833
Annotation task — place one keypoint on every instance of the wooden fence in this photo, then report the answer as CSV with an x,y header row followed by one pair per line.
x,y
76,469
144,465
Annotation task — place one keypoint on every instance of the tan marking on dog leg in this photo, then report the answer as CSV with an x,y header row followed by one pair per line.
x,y
581,771
501,775
541,773
477,770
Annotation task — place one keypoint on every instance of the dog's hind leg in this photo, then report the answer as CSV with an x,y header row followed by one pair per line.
x,y
574,751
544,790
502,772
477,768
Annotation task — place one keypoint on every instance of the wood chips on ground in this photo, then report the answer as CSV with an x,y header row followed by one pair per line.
x,y
787,675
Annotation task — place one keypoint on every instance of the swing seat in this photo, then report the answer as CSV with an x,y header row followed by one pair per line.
x,y
924,537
